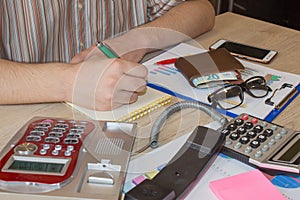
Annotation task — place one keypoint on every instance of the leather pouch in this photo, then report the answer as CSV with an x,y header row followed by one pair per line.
x,y
210,62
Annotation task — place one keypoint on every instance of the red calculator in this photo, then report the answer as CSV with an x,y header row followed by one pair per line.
x,y
44,151
67,158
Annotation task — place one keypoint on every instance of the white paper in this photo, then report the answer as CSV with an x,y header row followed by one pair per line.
x,y
170,78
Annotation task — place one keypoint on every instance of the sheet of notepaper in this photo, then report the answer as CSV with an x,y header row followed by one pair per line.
x,y
171,80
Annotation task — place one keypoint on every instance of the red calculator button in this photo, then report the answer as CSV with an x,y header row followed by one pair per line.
x,y
254,120
245,117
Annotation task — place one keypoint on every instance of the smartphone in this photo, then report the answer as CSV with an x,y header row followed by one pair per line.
x,y
245,51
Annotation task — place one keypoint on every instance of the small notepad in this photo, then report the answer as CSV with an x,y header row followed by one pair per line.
x,y
146,103
251,185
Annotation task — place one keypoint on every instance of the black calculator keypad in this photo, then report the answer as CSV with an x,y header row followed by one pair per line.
x,y
255,144
225,132
234,136
247,134
257,128
261,138
268,132
238,122
251,134
231,127
248,125
244,140
241,130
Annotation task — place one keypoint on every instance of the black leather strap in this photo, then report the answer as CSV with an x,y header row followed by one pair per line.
x,y
186,167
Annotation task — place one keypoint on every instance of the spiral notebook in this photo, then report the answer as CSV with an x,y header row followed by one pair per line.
x,y
150,101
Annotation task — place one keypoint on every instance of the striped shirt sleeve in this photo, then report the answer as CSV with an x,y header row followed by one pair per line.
x,y
157,8
56,30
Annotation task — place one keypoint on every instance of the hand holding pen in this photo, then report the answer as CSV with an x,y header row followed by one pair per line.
x,y
135,76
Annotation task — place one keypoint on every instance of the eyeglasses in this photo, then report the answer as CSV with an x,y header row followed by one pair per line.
x,y
232,96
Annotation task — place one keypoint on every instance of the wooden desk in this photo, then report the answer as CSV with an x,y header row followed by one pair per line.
x,y
229,26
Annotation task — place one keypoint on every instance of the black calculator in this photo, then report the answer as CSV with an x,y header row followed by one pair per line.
x,y
262,144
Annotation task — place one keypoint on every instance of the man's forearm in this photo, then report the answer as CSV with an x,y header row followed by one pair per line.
x,y
32,83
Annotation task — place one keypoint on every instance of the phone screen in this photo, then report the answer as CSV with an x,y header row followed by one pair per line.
x,y
245,50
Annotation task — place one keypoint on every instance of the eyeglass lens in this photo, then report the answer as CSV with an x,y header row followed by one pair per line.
x,y
229,97
256,87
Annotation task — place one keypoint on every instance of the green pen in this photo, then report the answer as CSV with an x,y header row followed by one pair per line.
x,y
106,50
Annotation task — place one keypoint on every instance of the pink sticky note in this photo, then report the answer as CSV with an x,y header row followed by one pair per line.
x,y
251,185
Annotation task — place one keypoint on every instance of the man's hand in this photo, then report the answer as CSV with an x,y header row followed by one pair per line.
x,y
105,84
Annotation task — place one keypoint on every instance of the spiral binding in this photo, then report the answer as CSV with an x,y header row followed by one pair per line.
x,y
145,110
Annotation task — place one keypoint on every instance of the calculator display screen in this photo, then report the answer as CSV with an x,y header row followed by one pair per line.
x,y
36,166
290,154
